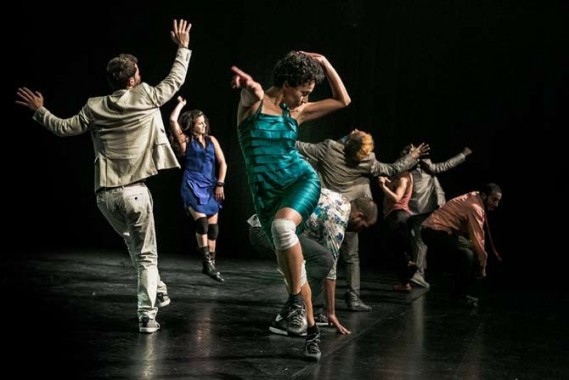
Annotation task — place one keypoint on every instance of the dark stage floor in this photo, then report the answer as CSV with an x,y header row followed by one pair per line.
x,y
73,315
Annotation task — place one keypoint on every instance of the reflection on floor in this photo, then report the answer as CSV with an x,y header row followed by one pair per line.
x,y
73,315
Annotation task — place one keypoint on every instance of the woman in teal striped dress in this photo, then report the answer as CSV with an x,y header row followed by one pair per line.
x,y
285,188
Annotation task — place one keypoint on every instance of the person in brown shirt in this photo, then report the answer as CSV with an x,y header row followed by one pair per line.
x,y
456,229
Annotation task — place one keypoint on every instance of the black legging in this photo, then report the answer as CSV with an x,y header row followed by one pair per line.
x,y
396,243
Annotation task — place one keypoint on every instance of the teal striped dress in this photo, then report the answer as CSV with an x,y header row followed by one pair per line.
x,y
278,175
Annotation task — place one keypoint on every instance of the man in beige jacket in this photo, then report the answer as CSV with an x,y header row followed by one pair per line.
x,y
130,145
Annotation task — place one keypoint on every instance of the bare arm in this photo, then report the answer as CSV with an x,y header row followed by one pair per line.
x,y
400,186
340,97
221,169
251,93
179,136
330,291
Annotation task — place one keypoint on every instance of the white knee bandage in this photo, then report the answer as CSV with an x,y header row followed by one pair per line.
x,y
284,233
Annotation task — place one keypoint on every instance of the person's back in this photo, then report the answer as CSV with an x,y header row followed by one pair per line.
x,y
349,179
130,145
345,166
455,232
428,194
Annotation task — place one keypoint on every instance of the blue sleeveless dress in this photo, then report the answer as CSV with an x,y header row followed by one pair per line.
x,y
278,175
198,183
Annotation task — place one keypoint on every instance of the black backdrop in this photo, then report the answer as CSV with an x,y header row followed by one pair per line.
x,y
487,74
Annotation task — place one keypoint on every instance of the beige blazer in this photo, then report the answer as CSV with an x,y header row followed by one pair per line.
x,y
127,130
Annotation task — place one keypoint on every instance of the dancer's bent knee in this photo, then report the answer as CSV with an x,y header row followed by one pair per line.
x,y
284,234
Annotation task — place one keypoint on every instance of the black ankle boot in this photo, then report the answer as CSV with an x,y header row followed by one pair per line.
x,y
209,269
355,303
209,266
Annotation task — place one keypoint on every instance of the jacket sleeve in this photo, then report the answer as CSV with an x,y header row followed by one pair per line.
x,y
166,89
440,167
475,228
73,126
389,170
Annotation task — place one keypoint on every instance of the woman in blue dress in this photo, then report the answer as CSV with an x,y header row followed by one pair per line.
x,y
285,188
204,175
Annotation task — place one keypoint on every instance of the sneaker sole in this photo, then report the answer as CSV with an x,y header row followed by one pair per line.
x,y
165,303
148,330
312,357
284,333
425,285
322,324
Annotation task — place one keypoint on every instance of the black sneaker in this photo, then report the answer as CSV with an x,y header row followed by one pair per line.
x,y
147,325
279,326
296,320
312,347
162,299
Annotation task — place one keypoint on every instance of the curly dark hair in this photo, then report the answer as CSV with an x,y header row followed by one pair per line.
x,y
297,69
120,69
188,119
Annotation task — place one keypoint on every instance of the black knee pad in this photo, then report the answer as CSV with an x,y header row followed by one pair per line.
x,y
213,231
201,226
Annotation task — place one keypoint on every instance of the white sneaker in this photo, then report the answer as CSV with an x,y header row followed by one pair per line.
x,y
147,325
162,299
418,279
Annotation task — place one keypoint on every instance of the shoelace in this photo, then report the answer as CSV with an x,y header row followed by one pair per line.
x,y
312,345
296,317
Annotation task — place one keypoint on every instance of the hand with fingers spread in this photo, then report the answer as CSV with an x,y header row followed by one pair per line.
x,y
181,33
30,99
240,78
333,321
419,151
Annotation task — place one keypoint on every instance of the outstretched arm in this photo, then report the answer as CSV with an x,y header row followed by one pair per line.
x,y
404,163
166,89
72,126
440,167
340,97
251,94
